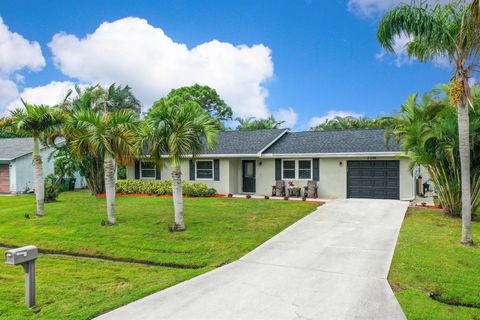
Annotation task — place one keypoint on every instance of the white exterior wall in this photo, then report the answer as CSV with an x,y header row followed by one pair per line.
x,y
21,170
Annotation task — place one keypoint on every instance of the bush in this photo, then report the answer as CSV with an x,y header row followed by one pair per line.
x,y
52,189
161,188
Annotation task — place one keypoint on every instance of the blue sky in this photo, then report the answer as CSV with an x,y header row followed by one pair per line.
x,y
300,60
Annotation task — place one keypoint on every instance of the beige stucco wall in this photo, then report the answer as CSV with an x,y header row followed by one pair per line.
x,y
221,186
332,184
333,177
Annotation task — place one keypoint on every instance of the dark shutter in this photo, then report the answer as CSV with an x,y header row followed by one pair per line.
x,y
137,170
216,170
192,170
278,169
158,172
316,169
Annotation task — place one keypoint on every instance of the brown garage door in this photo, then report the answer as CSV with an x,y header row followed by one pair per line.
x,y
4,178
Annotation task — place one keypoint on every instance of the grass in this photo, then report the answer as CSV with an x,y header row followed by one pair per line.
x,y
433,275
219,231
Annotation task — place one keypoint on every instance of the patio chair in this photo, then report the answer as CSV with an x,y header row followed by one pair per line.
x,y
278,189
311,189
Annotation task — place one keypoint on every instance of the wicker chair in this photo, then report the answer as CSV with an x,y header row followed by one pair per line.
x,y
278,189
311,189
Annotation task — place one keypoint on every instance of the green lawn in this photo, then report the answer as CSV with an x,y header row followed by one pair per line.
x,y
429,259
219,231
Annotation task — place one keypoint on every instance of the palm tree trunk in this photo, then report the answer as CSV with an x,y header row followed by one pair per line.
x,y
110,188
178,198
38,178
464,145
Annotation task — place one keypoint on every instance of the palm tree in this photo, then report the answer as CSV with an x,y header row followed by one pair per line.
x,y
443,31
109,136
180,132
100,100
36,121
258,124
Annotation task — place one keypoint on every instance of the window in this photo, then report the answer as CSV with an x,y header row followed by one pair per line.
x,y
289,169
147,170
305,169
297,169
204,170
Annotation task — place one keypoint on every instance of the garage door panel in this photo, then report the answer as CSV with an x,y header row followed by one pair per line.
x,y
377,179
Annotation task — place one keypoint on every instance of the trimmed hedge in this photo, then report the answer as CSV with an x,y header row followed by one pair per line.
x,y
163,187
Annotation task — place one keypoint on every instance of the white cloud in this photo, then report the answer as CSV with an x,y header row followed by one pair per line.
x,y
374,8
131,51
8,92
288,115
50,94
331,115
17,53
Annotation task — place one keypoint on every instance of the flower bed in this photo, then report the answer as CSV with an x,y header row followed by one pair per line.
x,y
162,188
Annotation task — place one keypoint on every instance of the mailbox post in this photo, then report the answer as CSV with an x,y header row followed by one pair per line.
x,y
26,257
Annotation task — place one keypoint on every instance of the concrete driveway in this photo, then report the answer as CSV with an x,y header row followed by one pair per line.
x,y
332,264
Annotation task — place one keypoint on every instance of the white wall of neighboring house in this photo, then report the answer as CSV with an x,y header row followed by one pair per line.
x,y
21,171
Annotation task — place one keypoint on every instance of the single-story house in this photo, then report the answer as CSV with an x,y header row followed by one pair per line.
x,y
344,164
16,165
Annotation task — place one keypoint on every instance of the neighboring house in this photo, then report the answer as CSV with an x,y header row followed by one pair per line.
x,y
345,164
16,165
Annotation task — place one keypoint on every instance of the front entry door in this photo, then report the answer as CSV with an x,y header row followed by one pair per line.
x,y
248,175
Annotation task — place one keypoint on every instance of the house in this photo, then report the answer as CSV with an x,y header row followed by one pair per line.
x,y
344,164
16,165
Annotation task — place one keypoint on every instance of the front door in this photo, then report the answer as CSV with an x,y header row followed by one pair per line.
x,y
248,175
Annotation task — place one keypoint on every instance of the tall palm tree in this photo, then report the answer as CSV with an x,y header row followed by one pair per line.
x,y
443,31
109,136
180,132
36,120
258,124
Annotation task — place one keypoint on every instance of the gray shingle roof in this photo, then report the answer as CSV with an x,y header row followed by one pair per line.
x,y
13,148
340,141
243,142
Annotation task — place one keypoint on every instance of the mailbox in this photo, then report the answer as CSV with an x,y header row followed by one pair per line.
x,y
26,257
21,255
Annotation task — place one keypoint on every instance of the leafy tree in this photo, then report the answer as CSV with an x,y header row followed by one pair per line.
x,y
8,129
178,131
258,124
443,31
109,136
343,123
205,96
36,121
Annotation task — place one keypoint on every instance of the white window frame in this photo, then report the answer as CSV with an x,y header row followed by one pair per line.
x,y
196,171
297,169
148,178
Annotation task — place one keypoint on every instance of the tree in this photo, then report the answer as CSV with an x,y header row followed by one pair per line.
x,y
98,100
36,121
206,97
428,133
344,123
443,31
180,132
109,136
258,124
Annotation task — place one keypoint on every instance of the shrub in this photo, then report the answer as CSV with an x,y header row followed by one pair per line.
x,y
249,196
267,197
52,189
163,187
